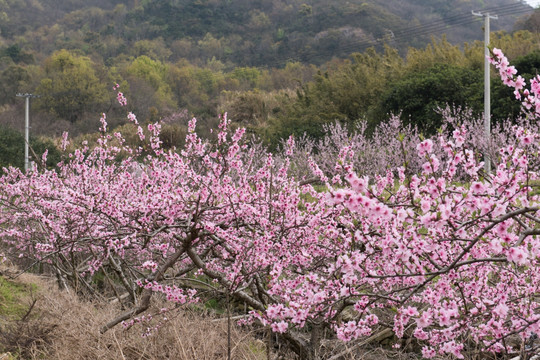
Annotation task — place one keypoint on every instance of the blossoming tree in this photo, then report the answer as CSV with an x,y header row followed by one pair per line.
x,y
449,262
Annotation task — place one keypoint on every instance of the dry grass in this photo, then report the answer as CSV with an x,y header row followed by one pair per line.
x,y
61,326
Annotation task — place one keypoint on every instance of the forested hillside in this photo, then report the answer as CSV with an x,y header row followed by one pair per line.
x,y
244,32
278,67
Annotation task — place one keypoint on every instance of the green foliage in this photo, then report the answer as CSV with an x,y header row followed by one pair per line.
x,y
249,76
196,88
13,80
150,70
528,65
16,54
419,95
71,86
515,44
11,294
154,49
438,52
172,136
347,92
12,149
242,32
253,109
246,108
149,92
170,55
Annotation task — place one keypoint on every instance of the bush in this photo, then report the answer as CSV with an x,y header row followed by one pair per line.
x,y
12,149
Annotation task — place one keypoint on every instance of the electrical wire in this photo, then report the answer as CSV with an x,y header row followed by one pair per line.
x,y
431,28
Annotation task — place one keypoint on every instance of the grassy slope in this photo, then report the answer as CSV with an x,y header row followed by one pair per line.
x,y
61,326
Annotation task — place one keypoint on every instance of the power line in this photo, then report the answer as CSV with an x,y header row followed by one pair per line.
x,y
448,22
451,20
428,29
432,28
416,31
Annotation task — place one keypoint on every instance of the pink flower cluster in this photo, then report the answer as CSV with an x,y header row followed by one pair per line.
x,y
120,96
530,98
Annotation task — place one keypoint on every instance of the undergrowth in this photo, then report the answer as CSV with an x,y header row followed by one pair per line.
x,y
38,321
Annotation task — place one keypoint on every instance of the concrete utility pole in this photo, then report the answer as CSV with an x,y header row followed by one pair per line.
x,y
487,97
26,127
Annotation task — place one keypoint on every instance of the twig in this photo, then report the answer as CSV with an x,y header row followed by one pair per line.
x,y
238,317
228,326
23,319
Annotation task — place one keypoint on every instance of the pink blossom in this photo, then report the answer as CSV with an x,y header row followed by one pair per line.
x,y
424,320
420,334
497,52
527,139
132,118
452,348
280,327
410,311
477,188
121,99
518,256
501,310
428,352
150,265
424,147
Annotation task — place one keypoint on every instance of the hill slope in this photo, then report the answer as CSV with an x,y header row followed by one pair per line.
x,y
246,32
